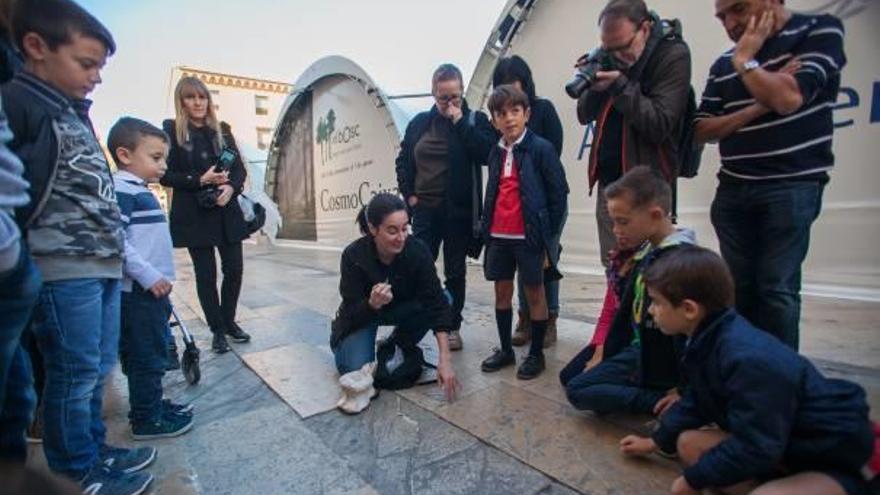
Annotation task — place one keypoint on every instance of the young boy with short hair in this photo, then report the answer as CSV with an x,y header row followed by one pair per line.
x,y
639,368
140,150
526,199
74,234
782,427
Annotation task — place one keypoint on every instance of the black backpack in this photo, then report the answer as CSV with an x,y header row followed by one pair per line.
x,y
406,374
689,151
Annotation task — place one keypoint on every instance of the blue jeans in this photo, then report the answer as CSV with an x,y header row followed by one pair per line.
x,y
77,330
612,386
764,232
433,227
144,351
19,289
359,347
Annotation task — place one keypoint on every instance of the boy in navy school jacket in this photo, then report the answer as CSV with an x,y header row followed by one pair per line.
x,y
526,197
782,427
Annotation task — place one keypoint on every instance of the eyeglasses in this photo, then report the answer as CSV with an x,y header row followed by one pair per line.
x,y
447,98
628,44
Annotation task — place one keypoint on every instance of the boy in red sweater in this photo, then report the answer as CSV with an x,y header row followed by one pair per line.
x,y
526,198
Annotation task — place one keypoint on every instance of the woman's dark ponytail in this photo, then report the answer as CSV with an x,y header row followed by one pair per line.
x,y
374,212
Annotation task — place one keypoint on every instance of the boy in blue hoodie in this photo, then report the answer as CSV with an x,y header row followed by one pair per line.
x,y
781,427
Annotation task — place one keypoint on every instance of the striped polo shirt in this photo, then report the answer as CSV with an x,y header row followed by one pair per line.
x,y
149,255
782,146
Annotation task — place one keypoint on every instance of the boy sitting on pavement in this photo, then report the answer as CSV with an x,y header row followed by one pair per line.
x,y
639,370
782,427
140,150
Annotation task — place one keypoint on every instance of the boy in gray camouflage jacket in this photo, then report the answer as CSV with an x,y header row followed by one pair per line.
x,y
74,233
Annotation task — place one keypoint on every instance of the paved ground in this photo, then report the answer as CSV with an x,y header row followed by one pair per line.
x,y
500,436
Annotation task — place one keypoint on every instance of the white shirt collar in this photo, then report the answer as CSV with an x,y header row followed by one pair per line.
x,y
504,146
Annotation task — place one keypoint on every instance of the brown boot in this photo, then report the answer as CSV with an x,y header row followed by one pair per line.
x,y
550,336
522,334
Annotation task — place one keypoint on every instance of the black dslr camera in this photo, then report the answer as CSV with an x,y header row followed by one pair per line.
x,y
595,61
207,195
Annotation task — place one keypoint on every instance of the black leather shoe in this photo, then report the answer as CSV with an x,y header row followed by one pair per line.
x,y
530,368
237,334
499,359
219,344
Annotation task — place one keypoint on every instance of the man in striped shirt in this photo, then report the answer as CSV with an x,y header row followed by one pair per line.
x,y
768,102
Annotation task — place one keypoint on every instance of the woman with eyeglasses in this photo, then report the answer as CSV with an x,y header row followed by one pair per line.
x,y
439,175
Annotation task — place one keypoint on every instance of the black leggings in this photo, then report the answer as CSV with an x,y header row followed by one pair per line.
x,y
220,312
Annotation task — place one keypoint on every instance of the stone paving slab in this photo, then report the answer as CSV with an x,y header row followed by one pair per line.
x,y
302,375
402,449
576,449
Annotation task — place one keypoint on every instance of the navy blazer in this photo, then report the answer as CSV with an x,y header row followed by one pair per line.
x,y
543,190
779,410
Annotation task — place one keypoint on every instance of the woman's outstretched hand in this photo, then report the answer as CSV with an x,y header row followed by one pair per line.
x,y
446,379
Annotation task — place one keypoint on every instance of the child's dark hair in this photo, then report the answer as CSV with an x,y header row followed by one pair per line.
x,y
692,272
512,69
507,95
644,188
127,133
375,211
55,21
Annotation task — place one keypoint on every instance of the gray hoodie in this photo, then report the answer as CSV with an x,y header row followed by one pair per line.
x,y
13,193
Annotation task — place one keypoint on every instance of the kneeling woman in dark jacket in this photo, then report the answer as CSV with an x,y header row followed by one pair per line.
x,y
388,278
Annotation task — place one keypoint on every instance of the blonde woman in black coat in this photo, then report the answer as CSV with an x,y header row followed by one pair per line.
x,y
205,215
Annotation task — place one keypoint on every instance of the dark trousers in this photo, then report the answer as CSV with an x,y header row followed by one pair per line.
x,y
19,289
433,227
764,232
577,364
219,311
613,386
143,349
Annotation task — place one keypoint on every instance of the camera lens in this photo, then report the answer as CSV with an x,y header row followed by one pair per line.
x,y
577,86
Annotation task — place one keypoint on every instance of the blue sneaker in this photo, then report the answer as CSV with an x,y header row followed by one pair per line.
x,y
127,460
102,480
168,425
176,408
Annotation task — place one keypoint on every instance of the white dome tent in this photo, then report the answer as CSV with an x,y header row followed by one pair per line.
x,y
334,147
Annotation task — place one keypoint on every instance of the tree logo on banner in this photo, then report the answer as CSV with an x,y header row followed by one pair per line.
x,y
326,127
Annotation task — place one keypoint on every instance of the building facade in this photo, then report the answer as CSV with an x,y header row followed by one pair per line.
x,y
249,105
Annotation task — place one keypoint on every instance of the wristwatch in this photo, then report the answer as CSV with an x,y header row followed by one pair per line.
x,y
750,65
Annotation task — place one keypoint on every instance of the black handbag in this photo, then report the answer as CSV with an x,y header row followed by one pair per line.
x,y
253,212
475,243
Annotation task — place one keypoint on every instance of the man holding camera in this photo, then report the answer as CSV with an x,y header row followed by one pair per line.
x,y
635,87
